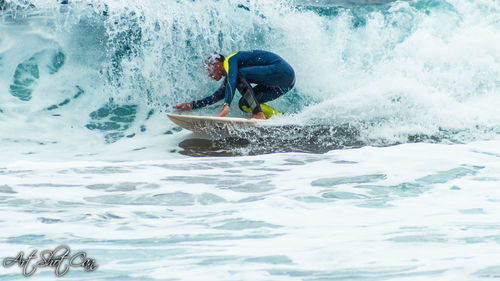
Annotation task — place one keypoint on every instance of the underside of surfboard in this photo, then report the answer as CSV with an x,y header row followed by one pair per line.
x,y
207,124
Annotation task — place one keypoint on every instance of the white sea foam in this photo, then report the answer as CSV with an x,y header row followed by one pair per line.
x,y
413,211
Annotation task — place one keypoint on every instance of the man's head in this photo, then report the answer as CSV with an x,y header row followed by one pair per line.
x,y
214,64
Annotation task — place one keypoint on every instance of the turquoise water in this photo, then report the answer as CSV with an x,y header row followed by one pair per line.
x,y
378,72
384,167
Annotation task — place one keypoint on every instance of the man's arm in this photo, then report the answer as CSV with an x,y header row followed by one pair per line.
x,y
215,97
231,67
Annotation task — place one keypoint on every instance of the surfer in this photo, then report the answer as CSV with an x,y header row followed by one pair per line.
x,y
272,75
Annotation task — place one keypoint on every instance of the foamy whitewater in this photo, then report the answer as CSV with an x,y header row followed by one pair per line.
x,y
386,165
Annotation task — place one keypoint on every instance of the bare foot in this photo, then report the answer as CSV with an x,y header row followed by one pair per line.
x,y
259,115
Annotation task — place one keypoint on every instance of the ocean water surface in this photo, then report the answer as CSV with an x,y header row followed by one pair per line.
x,y
385,166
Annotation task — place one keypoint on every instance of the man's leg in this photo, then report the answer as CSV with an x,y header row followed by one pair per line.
x,y
263,94
275,75
248,97
274,80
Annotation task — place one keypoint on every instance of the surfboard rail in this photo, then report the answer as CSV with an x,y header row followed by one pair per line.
x,y
208,123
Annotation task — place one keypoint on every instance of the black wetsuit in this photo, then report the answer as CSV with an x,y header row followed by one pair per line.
x,y
272,74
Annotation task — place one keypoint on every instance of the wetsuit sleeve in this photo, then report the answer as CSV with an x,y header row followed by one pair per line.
x,y
232,76
215,97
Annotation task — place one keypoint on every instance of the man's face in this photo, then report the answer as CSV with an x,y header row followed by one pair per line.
x,y
216,71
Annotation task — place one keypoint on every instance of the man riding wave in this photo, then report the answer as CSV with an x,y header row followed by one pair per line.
x,y
272,75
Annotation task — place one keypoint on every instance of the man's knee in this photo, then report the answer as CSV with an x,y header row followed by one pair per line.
x,y
242,84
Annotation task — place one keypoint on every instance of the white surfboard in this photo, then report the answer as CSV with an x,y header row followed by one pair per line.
x,y
204,124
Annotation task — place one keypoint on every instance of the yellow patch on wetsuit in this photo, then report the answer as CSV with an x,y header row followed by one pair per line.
x,y
266,109
226,63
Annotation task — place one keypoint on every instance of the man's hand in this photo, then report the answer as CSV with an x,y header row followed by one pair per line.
x,y
224,111
184,106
